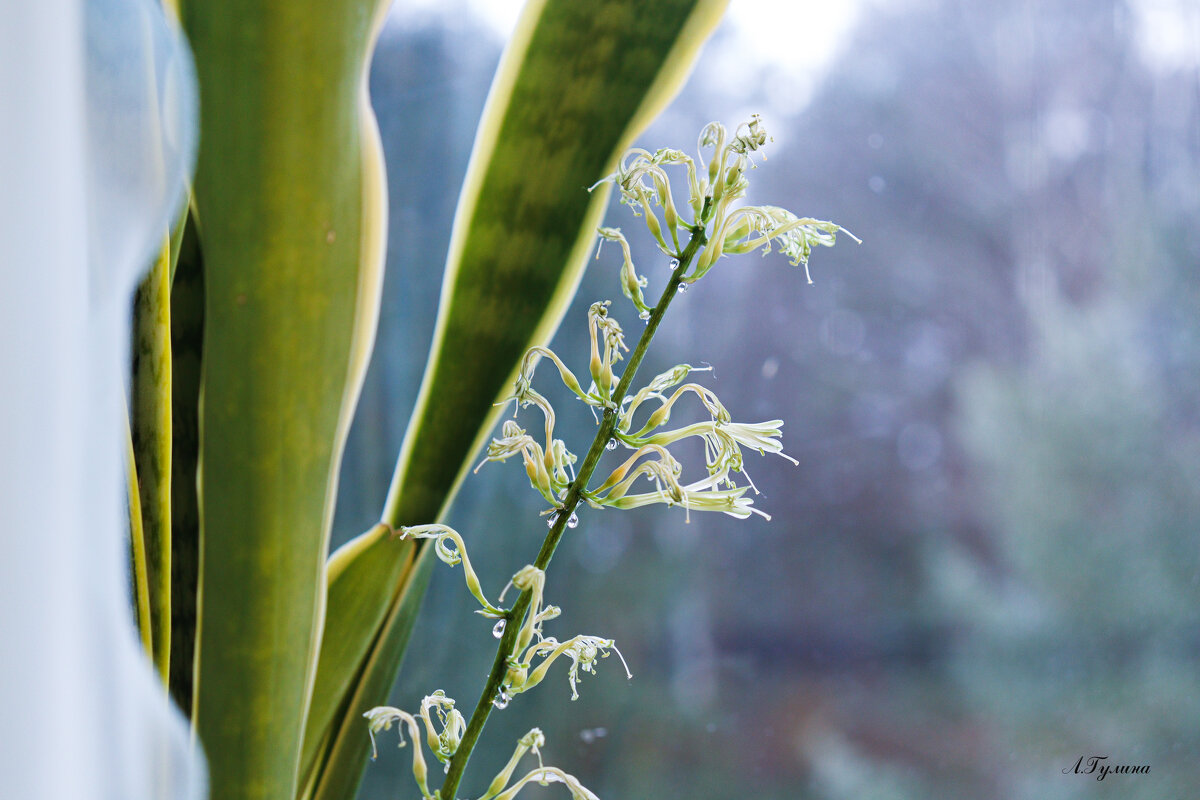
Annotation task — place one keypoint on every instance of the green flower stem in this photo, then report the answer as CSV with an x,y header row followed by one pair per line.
x,y
458,763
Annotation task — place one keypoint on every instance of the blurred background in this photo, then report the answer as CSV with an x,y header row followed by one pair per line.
x,y
986,564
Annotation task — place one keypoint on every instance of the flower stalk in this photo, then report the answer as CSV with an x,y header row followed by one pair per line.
x,y
574,495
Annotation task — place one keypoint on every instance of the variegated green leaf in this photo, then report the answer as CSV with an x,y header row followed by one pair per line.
x,y
187,332
150,425
289,196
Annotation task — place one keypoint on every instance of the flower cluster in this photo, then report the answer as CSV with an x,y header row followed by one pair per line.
x,y
583,650
381,719
711,225
530,642
543,775
724,228
443,745
549,466
713,189
445,726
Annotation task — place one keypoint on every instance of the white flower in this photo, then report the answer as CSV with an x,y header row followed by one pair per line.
x,y
544,776
653,390
381,718
662,414
753,227
444,744
631,283
449,547
550,469
603,328
583,651
640,179
530,578
761,436
531,741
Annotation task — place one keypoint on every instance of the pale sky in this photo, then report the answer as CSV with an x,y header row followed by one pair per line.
x,y
790,43
1169,33
791,37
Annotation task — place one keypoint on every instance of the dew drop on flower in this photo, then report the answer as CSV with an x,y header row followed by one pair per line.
x,y
644,316
612,445
498,629
573,521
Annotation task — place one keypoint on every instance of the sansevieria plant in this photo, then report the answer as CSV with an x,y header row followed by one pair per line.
x,y
253,332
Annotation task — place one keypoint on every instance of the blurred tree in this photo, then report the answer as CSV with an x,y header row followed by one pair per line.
x,y
1084,639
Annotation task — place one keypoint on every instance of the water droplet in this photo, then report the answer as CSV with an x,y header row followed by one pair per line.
x,y
587,736
644,316
573,521
502,698
612,445
674,263
498,629
683,287
590,735
550,520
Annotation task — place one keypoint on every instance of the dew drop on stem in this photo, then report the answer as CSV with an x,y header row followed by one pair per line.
x,y
644,316
498,629
502,698
612,445
683,287
550,520
573,521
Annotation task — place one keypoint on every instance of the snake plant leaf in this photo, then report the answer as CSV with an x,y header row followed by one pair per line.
x,y
576,83
138,570
343,761
289,194
150,426
187,339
